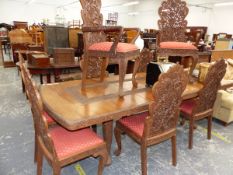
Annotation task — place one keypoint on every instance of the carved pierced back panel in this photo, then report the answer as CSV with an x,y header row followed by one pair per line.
x,y
172,24
207,95
92,17
164,109
145,57
37,110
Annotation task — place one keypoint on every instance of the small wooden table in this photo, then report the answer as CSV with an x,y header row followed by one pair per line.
x,y
99,103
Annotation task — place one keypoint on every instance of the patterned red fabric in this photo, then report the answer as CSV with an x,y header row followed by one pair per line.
x,y
187,106
105,46
48,118
135,122
67,143
176,45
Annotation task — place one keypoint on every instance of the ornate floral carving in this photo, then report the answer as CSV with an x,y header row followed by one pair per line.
x,y
164,109
92,17
145,57
212,82
172,24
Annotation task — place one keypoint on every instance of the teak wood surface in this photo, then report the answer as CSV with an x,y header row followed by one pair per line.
x,y
99,103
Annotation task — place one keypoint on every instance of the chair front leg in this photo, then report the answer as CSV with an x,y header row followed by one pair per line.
x,y
173,140
84,67
39,161
135,70
191,125
102,161
122,71
144,159
209,127
117,133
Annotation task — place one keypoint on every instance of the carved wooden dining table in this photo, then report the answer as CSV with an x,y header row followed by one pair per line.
x,y
99,103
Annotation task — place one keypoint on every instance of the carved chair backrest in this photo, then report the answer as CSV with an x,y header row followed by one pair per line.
x,y
167,91
92,17
208,93
37,111
172,24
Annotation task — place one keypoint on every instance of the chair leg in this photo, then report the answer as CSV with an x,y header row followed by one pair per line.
x,y
39,161
182,122
122,71
102,161
36,152
209,127
84,67
56,170
135,70
117,133
173,140
144,159
191,125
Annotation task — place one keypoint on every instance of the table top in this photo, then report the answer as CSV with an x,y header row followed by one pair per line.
x,y
75,109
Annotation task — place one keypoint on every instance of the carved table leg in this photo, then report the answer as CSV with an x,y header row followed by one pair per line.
x,y
107,132
122,71
135,70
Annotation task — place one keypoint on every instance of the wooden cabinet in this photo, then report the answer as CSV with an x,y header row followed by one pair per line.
x,y
55,37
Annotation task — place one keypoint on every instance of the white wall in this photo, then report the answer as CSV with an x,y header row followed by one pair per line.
x,y
221,20
17,11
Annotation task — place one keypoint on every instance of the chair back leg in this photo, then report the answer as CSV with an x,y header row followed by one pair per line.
x,y
144,159
173,140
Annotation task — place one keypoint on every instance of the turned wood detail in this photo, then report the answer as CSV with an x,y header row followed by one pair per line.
x,y
172,24
164,109
207,95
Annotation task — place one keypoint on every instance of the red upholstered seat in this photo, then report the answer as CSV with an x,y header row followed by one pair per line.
x,y
135,122
187,107
48,118
105,46
177,45
67,142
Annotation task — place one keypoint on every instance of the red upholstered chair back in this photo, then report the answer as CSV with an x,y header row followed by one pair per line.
x,y
164,109
172,24
212,82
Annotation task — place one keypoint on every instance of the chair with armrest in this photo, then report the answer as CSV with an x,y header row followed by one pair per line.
x,y
60,146
171,38
159,124
98,52
202,106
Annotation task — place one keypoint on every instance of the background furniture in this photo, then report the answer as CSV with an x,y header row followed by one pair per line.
x,y
55,37
219,54
202,106
160,123
223,107
172,26
20,25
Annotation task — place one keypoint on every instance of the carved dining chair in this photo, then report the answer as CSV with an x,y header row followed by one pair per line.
x,y
26,77
202,106
97,52
171,39
62,147
159,124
